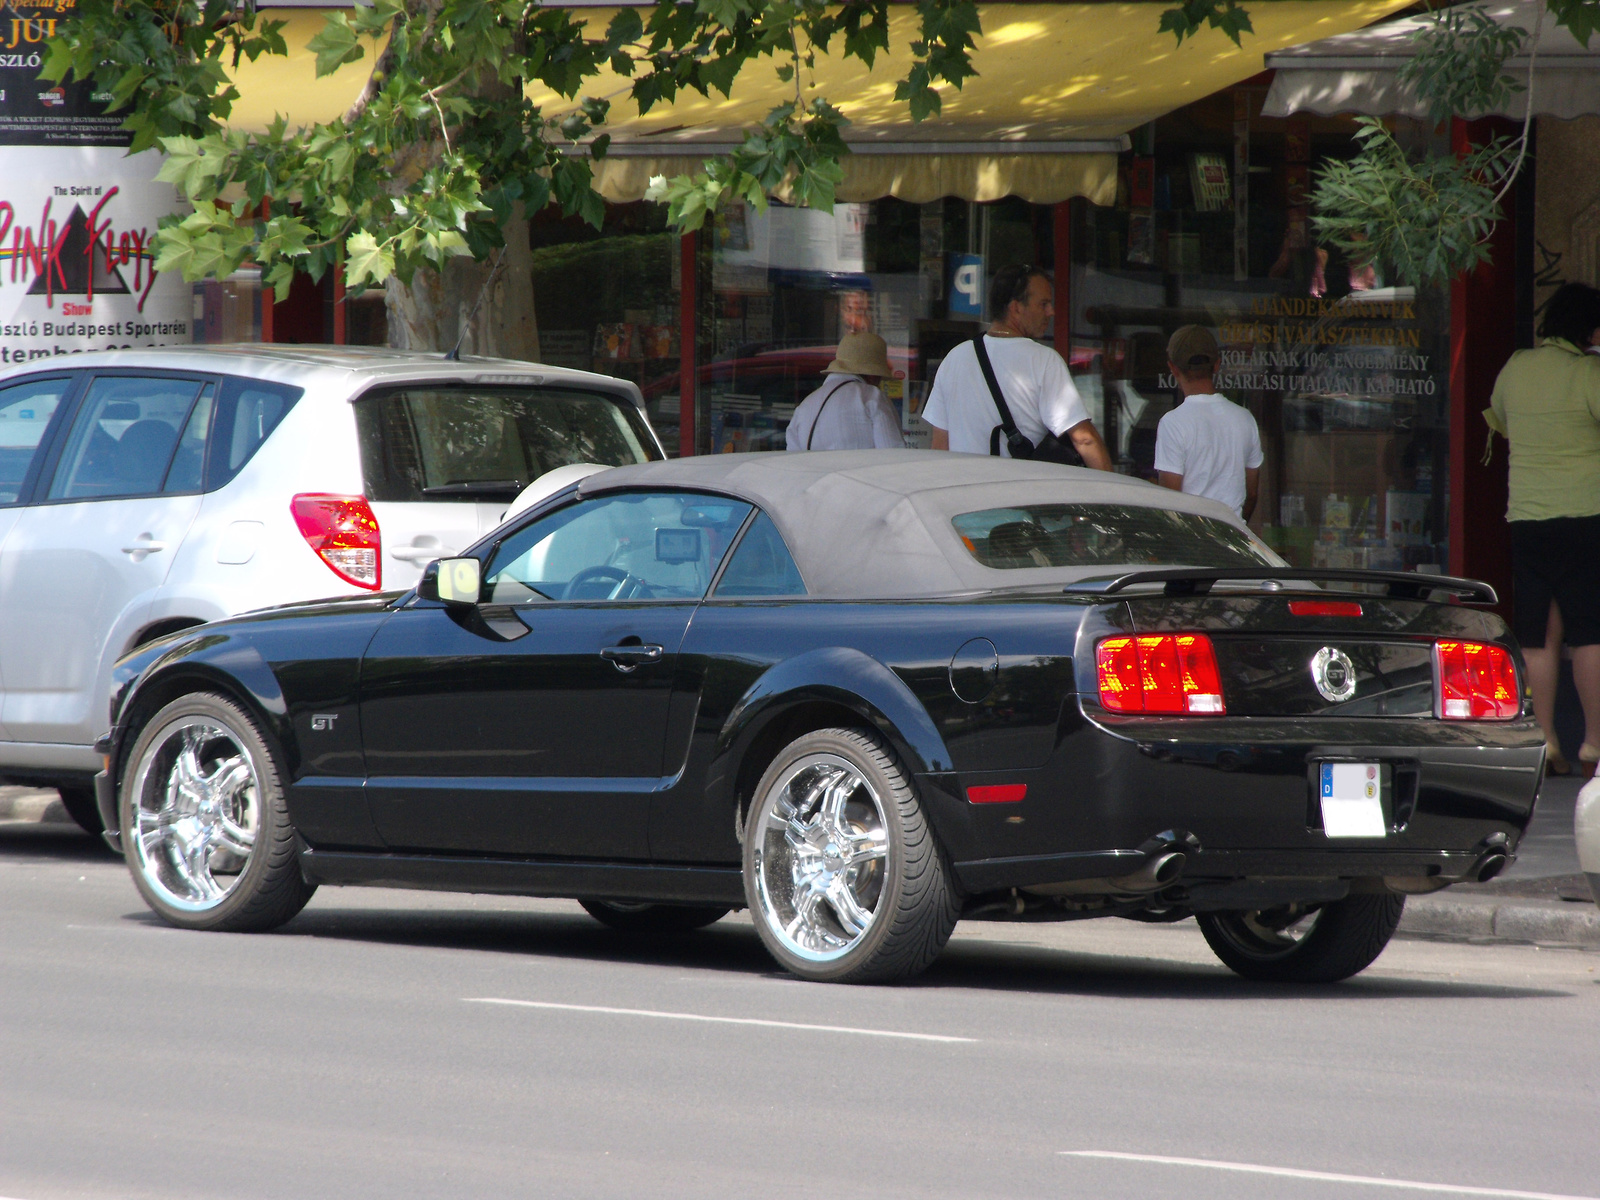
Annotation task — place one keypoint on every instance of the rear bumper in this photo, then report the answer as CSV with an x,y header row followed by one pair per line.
x,y
1243,801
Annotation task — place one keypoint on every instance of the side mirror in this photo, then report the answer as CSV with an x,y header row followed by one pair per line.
x,y
452,581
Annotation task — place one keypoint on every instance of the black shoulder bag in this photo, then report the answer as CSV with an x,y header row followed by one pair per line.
x,y
1050,447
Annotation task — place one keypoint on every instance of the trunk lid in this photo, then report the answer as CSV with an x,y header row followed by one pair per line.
x,y
1276,662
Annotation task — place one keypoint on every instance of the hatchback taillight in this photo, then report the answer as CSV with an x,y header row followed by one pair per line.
x,y
1476,682
344,533
1160,673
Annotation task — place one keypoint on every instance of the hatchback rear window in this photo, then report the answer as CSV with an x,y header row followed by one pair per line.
x,y
1103,535
464,443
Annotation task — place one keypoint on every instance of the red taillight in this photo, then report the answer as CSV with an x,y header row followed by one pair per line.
x,y
344,533
1324,608
1160,673
1476,682
997,793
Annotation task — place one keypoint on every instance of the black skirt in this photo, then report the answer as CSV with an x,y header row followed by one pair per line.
x,y
1558,560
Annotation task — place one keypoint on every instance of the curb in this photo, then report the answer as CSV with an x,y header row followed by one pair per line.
x,y
1492,918
28,804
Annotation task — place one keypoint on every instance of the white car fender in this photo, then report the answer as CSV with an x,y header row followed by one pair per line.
x,y
1586,828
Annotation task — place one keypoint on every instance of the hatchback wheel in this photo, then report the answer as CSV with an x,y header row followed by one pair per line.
x,y
1304,944
204,825
844,878
632,917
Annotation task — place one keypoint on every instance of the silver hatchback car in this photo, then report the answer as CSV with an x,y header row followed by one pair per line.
x,y
144,491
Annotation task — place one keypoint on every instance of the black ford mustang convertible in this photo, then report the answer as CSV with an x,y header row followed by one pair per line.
x,y
863,694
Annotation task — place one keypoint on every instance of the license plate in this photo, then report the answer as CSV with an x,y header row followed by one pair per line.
x,y
1352,800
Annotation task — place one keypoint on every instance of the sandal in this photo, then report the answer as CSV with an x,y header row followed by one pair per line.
x,y
1588,756
1554,764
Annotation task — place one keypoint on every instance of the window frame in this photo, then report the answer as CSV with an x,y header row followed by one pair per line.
x,y
570,497
63,436
48,448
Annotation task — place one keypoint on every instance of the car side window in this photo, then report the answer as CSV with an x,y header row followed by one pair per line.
x,y
25,412
123,437
629,546
247,412
761,565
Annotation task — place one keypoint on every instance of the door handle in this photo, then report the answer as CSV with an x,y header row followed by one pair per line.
x,y
416,553
143,545
629,655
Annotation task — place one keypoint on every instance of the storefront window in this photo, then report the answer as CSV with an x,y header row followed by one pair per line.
x,y
1346,374
607,301
228,310
783,286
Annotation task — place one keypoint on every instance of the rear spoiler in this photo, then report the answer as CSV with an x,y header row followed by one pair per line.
x,y
1197,581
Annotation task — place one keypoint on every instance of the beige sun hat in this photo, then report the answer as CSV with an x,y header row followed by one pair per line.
x,y
862,354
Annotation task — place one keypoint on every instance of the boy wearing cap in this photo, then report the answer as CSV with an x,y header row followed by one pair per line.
x,y
1207,446
849,411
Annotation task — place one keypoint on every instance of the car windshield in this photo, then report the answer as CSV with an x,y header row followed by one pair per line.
x,y
1109,535
465,443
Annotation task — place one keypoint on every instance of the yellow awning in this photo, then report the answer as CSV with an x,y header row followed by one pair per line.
x,y
1058,85
920,177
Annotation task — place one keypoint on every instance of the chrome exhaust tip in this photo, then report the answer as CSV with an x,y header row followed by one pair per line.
x,y
1157,873
1489,866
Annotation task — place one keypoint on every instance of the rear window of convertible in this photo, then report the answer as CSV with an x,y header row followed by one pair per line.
x,y
1102,535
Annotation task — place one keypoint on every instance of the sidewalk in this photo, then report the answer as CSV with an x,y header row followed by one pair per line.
x,y
1543,898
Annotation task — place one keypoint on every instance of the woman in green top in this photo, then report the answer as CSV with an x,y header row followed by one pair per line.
x,y
1547,403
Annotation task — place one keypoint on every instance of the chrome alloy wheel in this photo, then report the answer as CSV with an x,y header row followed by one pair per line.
x,y
197,803
821,858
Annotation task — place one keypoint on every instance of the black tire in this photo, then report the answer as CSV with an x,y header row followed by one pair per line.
x,y
627,917
1345,938
911,900
259,884
81,807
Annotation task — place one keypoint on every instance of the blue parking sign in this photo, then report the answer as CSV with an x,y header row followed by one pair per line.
x,y
966,285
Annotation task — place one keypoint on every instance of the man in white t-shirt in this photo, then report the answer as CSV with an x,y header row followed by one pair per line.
x,y
1207,446
1034,379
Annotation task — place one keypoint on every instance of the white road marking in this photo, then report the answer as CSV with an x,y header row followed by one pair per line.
x,y
1324,1176
679,1016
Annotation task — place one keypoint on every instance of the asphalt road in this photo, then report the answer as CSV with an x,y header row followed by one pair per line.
x,y
393,1044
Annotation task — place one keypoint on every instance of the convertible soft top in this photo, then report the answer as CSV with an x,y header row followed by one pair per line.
x,y
876,524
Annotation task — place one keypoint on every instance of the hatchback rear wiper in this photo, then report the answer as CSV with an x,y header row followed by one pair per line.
x,y
477,487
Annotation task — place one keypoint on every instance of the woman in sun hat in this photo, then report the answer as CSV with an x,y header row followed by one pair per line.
x,y
849,411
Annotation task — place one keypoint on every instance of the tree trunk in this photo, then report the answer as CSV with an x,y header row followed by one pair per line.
x,y
434,312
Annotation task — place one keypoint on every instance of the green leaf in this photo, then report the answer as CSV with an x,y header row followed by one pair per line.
x,y
280,278
366,261
1581,17
192,164
335,44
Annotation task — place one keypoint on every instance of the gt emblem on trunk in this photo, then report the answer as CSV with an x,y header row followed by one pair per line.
x,y
1334,674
